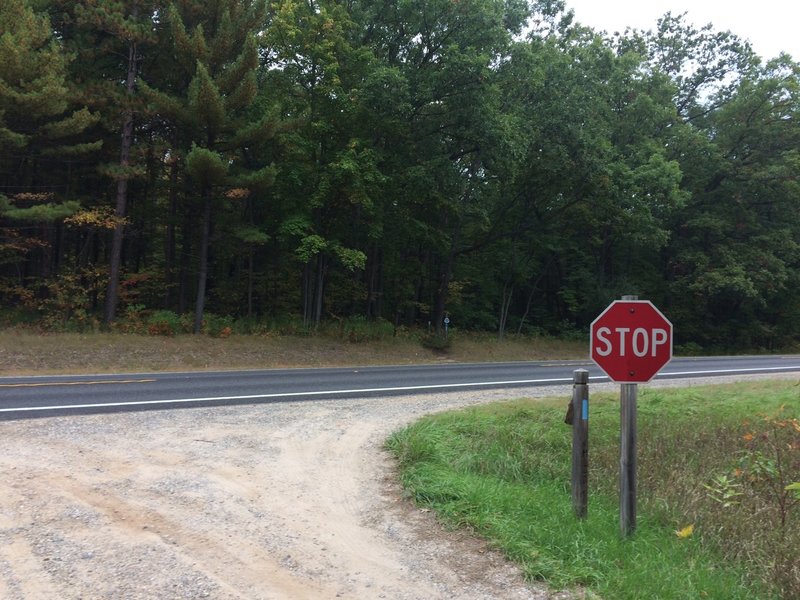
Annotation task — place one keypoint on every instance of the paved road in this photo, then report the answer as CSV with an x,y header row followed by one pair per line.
x,y
30,397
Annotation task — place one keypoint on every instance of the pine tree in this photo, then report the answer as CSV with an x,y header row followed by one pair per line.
x,y
108,40
41,123
207,99
122,28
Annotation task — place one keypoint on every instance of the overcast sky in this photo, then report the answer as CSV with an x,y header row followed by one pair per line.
x,y
771,26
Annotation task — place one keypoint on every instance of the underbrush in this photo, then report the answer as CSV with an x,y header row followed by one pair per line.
x,y
718,513
138,320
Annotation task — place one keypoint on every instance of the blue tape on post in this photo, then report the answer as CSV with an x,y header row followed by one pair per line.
x,y
585,409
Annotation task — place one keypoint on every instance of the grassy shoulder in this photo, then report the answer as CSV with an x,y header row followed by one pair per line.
x,y
715,519
30,352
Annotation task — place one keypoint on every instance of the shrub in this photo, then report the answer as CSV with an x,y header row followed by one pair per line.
x,y
164,322
437,343
251,326
689,349
69,300
217,325
360,329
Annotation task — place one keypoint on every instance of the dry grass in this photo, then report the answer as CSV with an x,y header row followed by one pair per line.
x,y
25,352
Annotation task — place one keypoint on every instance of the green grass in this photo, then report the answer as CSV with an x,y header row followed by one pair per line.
x,y
503,470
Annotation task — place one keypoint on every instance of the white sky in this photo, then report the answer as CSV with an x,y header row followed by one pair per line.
x,y
771,26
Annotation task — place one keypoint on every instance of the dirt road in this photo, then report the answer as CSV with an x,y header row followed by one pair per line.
x,y
282,501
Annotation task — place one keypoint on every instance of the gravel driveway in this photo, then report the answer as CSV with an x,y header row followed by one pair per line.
x,y
286,501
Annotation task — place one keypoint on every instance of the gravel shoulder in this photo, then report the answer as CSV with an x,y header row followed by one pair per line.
x,y
292,500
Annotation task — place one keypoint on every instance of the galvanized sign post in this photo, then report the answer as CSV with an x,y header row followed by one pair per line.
x,y
631,341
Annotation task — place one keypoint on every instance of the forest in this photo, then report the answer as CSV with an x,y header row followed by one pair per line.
x,y
492,162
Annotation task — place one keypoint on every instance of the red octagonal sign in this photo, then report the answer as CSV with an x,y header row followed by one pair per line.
x,y
631,341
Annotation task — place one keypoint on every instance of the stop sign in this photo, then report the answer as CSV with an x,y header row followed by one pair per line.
x,y
631,340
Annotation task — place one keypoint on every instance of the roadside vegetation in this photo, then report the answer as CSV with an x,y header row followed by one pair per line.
x,y
132,348
719,505
492,162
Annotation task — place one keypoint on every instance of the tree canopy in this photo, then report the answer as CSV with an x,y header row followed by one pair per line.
x,y
491,161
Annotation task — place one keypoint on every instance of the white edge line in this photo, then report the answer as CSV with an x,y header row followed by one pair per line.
x,y
410,388
787,368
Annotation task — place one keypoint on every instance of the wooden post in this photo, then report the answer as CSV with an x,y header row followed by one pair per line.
x,y
627,454
580,442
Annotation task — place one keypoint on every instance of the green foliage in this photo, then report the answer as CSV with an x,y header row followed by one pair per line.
x,y
205,103
32,73
36,212
37,109
358,329
311,246
770,463
251,235
724,490
351,259
205,166
436,342
259,180
68,301
137,319
217,326
340,160
164,322
795,489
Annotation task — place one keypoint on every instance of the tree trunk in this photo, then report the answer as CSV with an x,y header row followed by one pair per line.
x,y
112,292
373,291
530,296
527,310
169,239
445,276
320,284
505,304
202,271
308,294
250,283
187,237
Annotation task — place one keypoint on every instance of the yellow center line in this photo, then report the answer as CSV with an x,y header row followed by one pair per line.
x,y
59,383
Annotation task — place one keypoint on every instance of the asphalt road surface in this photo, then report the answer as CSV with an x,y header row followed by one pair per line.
x,y
31,397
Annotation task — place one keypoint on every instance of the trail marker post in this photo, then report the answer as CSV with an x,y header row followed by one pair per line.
x,y
631,341
579,419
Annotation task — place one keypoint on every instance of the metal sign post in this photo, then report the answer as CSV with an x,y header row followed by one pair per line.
x,y
627,458
631,341
628,395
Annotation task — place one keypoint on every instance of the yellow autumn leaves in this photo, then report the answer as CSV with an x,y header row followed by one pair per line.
x,y
685,532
